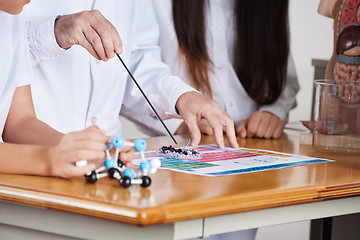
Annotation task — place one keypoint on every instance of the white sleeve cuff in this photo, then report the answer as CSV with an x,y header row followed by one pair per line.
x,y
177,89
42,41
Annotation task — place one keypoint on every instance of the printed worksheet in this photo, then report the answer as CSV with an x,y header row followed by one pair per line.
x,y
220,162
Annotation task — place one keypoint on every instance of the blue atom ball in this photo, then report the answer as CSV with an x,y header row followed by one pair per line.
x,y
118,142
140,145
109,163
145,166
129,173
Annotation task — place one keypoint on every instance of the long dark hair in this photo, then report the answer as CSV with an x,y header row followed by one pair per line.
x,y
261,45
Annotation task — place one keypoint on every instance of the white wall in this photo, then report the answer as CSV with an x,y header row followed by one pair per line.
x,y
311,37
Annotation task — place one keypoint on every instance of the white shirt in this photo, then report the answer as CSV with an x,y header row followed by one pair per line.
x,y
227,89
73,90
15,65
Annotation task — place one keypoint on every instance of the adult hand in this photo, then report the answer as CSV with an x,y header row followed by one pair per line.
x,y
261,125
89,144
203,126
91,30
193,107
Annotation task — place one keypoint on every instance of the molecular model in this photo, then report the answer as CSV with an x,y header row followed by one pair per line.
x,y
115,168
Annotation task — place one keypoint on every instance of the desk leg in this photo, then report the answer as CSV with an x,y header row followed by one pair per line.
x,y
336,228
320,229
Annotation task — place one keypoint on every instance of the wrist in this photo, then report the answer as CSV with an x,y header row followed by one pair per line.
x,y
42,164
183,100
48,153
58,33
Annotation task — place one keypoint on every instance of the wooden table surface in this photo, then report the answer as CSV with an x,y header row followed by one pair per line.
x,y
175,196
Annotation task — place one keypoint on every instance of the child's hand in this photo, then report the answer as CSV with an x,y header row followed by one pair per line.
x,y
204,127
261,125
89,144
126,154
193,106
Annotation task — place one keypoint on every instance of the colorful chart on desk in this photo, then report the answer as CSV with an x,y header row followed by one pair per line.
x,y
219,162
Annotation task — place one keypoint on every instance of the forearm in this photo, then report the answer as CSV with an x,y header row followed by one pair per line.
x,y
59,160
22,126
31,131
24,159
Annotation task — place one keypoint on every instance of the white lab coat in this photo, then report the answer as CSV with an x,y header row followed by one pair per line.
x,y
15,68
73,90
227,89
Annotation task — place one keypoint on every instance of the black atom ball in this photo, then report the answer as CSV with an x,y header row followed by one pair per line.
x,y
112,171
146,181
125,182
91,178
120,163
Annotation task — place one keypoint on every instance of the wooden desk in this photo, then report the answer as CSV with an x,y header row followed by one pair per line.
x,y
178,205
